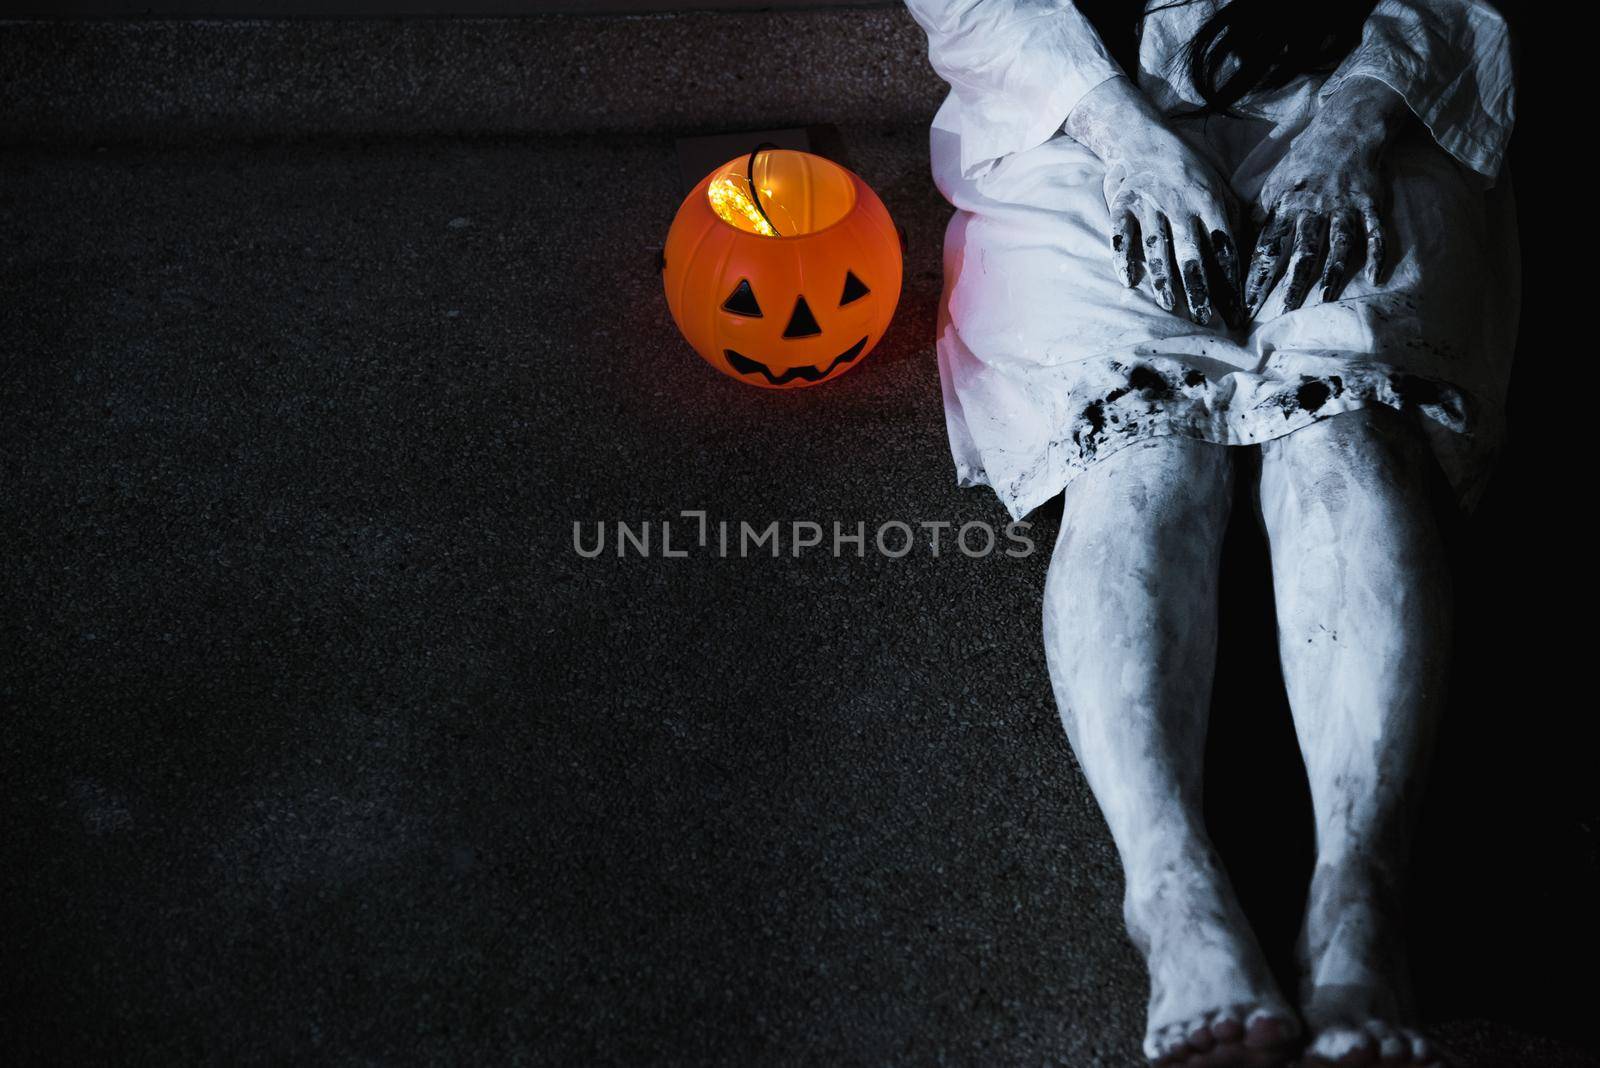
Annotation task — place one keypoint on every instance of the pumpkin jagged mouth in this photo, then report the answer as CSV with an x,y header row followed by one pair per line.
x,y
746,366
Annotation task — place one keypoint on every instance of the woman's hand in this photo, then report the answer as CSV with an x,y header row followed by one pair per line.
x,y
1323,200
1170,211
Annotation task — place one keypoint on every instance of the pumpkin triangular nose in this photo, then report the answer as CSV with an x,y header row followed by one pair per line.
x,y
802,323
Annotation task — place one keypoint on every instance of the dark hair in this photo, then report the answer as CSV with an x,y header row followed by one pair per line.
x,y
1247,45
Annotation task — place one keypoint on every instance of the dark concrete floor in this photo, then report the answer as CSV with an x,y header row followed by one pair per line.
x,y
322,744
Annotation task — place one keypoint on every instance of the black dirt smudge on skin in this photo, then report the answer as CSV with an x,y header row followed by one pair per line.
x,y
1194,281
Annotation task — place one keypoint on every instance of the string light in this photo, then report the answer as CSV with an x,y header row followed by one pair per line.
x,y
731,203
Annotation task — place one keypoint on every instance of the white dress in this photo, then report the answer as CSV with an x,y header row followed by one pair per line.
x,y
1048,363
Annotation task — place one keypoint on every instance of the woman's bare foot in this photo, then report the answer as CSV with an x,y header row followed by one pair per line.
x,y
1355,986
1213,1003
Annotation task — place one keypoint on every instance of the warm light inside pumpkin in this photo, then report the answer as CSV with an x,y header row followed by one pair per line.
x,y
733,205
798,192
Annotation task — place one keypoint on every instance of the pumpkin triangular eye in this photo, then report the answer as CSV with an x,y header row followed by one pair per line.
x,y
802,323
854,288
742,301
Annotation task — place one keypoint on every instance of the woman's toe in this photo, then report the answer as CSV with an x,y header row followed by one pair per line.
x,y
1223,1037
1265,1028
1394,1047
1168,1046
1201,1039
1226,1027
1344,1046
1177,1057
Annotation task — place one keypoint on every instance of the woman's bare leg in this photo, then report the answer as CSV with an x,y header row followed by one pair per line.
x,y
1362,591
1130,634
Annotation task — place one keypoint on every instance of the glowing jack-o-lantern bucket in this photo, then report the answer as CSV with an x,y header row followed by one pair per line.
x,y
782,269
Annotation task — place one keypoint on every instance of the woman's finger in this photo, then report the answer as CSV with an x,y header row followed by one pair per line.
x,y
1302,269
1157,251
1192,269
1124,245
1377,246
1341,240
1226,257
1267,260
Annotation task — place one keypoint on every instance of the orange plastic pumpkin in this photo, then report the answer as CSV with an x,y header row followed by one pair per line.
x,y
785,280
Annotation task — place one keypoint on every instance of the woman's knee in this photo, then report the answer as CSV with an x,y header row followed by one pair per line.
x,y
1152,485
1367,452
1151,515
1136,561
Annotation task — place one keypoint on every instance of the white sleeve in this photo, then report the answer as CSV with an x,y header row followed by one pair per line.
x,y
1451,61
1016,67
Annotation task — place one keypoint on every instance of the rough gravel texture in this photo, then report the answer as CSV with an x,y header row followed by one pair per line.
x,y
175,80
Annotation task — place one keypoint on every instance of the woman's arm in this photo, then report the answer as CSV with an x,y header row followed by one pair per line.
x,y
1326,189
1450,62
1016,67
1168,206
1024,70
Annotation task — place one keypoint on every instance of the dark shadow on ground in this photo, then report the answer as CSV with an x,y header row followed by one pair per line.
x,y
1505,872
